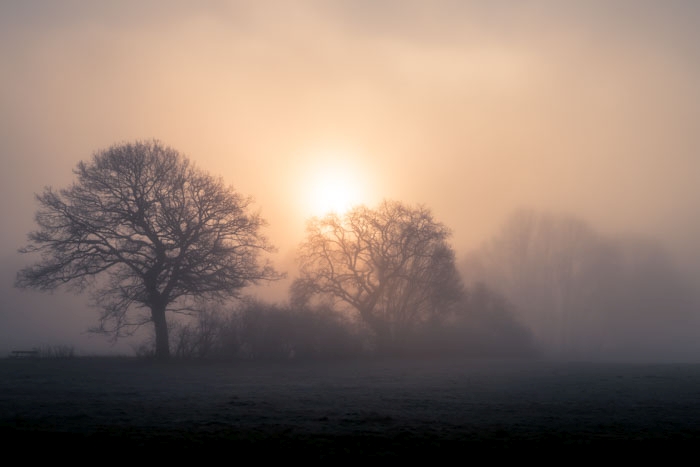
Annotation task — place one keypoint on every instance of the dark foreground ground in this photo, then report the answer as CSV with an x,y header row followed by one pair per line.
x,y
392,409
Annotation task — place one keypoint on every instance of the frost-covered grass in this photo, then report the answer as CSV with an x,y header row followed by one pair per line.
x,y
352,408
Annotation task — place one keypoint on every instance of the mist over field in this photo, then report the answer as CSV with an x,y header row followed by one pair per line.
x,y
557,142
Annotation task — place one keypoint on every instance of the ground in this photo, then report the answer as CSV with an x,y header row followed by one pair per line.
x,y
360,409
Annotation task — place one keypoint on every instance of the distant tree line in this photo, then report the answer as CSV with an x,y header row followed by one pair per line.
x,y
588,295
160,243
252,330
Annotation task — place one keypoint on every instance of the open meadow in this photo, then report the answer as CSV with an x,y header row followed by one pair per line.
x,y
393,408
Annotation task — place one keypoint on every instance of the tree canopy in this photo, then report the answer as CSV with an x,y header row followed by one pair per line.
x,y
146,229
392,265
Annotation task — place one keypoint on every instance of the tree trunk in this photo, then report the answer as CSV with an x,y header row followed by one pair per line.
x,y
161,328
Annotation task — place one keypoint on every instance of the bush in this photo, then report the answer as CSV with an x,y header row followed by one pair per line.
x,y
258,330
483,324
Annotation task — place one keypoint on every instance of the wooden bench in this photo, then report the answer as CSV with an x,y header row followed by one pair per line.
x,y
24,353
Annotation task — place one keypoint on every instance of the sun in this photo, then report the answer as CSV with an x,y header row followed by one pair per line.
x,y
334,185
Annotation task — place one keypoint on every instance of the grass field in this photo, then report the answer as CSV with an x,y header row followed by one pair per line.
x,y
390,408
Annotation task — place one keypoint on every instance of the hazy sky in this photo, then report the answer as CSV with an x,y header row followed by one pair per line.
x,y
471,108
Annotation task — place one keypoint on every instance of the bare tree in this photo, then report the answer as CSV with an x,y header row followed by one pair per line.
x,y
392,265
548,265
585,294
145,229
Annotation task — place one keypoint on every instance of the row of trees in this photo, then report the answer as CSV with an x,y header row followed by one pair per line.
x,y
252,329
150,234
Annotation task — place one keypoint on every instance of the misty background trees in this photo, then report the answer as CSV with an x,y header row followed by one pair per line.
x,y
144,229
584,294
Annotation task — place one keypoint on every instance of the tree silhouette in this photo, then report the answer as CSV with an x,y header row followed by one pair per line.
x,y
585,294
392,265
145,229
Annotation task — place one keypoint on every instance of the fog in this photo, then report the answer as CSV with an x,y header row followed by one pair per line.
x,y
587,110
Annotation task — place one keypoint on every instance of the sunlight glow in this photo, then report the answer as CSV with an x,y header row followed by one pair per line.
x,y
334,185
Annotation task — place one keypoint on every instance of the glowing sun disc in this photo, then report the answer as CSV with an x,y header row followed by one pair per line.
x,y
334,187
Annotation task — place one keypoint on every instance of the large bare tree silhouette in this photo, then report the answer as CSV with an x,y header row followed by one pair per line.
x,y
146,230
